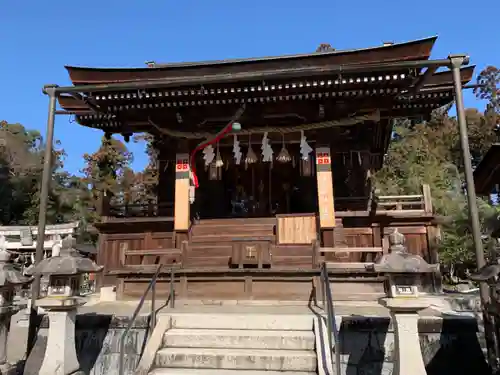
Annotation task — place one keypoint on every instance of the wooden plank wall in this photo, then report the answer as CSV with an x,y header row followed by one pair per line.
x,y
224,284
298,229
113,245
419,240
285,287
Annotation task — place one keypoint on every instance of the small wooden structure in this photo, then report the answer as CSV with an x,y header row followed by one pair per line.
x,y
487,177
487,173
253,214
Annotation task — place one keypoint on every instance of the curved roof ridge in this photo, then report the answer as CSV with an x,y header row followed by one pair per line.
x,y
254,59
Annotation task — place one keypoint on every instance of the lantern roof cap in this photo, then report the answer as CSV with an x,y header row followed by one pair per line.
x,y
9,275
487,272
399,260
67,262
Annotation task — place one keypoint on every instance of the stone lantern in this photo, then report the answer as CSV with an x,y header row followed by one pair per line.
x,y
64,271
10,278
404,271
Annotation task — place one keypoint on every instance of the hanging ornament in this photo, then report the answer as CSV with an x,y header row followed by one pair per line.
x,y
208,155
306,167
214,173
232,125
218,160
267,150
192,195
237,150
284,156
305,149
251,158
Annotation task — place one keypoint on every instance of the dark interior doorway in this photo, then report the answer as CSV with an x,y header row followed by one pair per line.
x,y
255,190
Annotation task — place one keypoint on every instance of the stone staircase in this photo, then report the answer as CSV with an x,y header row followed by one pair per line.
x,y
210,344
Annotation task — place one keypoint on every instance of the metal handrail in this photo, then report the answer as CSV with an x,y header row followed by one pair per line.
x,y
152,287
330,318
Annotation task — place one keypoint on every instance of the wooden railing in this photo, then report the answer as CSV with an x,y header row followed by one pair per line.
x,y
136,210
396,205
149,257
347,267
141,210
410,204
416,202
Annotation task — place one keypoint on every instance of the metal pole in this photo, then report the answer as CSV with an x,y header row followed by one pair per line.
x,y
456,62
42,214
172,290
153,309
489,329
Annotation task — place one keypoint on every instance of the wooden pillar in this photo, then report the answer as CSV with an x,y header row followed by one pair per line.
x,y
104,203
181,204
166,178
325,187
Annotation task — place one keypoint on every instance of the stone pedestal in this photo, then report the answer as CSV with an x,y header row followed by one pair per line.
x,y
404,313
8,369
5,367
108,294
4,334
60,354
6,313
64,271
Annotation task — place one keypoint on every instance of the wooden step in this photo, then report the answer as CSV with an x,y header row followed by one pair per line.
x,y
227,238
346,267
229,229
234,224
208,262
209,251
251,220
292,250
210,244
293,262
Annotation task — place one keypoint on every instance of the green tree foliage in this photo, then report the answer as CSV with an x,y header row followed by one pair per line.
x,y
430,153
107,172
21,164
147,180
105,169
489,88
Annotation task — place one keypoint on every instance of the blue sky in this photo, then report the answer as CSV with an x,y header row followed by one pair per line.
x,y
37,38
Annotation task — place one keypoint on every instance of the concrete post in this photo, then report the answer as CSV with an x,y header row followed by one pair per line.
x,y
404,315
404,271
64,269
60,354
6,313
9,279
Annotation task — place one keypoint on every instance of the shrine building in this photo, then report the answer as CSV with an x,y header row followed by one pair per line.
x,y
265,169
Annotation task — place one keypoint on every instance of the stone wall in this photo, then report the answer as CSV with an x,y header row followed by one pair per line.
x,y
449,346
98,344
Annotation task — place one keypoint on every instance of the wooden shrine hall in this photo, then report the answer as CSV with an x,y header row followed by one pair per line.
x,y
265,169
